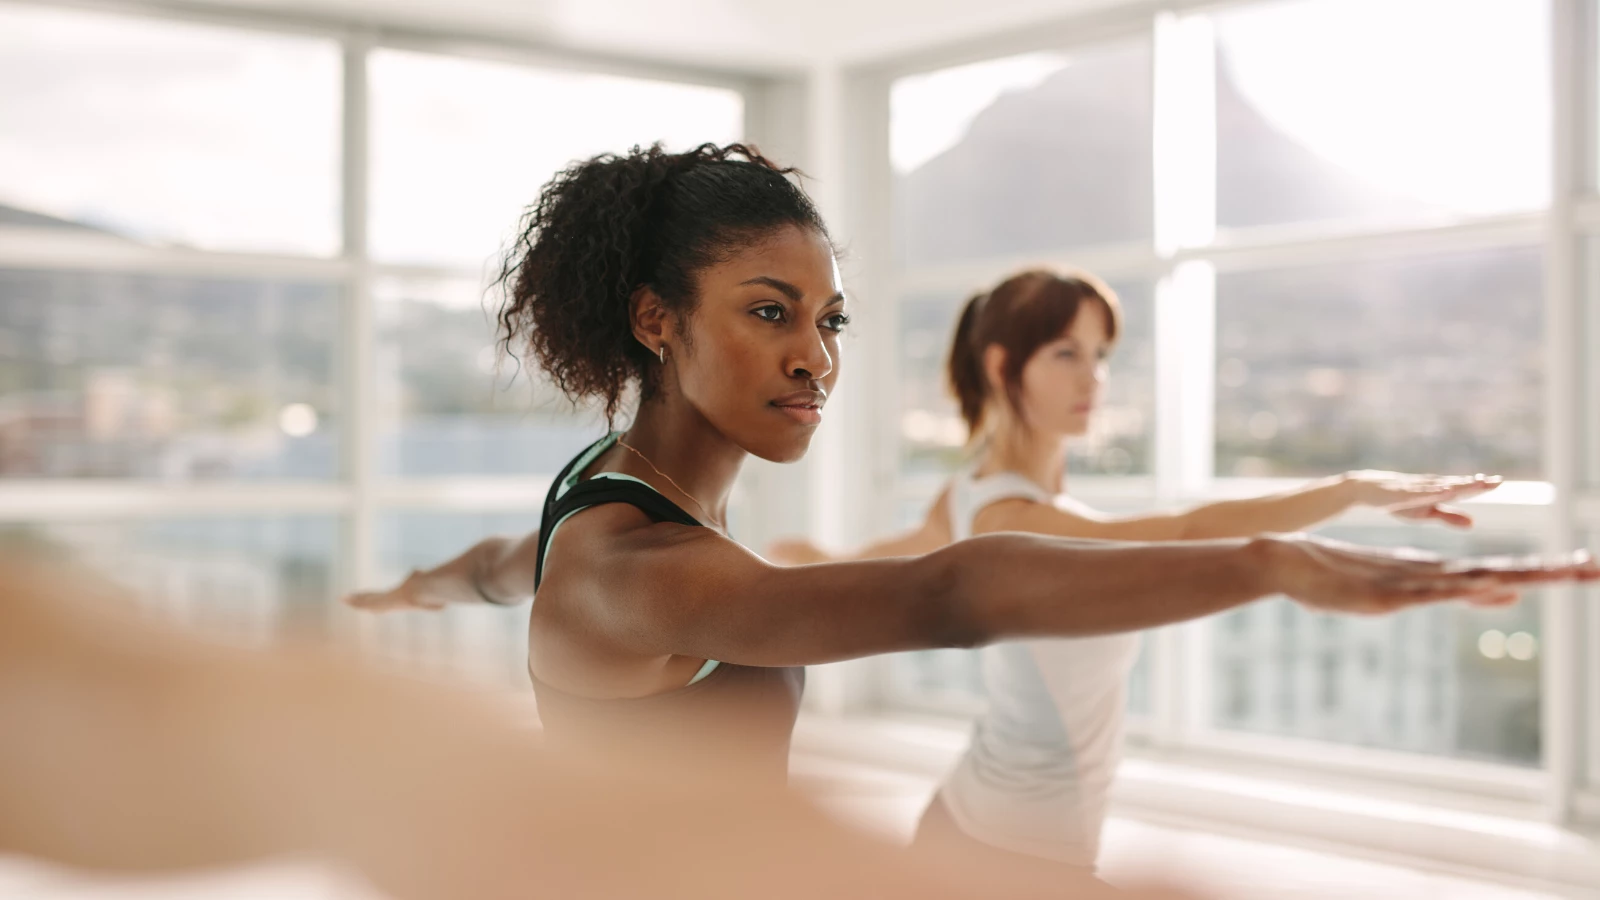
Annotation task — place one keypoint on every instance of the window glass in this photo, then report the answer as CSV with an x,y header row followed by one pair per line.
x,y
1448,679
168,132
461,146
1381,112
450,404
1424,364
1043,152
112,375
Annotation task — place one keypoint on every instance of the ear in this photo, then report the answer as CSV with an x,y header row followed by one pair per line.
x,y
651,321
994,369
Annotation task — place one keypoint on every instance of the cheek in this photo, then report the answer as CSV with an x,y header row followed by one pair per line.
x,y
1041,388
1050,388
725,363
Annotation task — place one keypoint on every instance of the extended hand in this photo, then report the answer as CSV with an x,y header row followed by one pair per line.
x,y
433,588
1339,577
1420,497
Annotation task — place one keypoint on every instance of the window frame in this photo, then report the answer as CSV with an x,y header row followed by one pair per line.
x,y
1560,511
359,494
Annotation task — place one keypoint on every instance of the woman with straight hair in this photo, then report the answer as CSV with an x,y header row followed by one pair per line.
x,y
704,284
1027,366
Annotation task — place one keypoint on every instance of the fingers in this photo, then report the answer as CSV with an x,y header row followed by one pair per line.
x,y
1498,598
1578,565
1450,516
1410,491
374,601
1494,581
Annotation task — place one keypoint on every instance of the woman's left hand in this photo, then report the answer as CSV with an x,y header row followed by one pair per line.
x,y
1420,498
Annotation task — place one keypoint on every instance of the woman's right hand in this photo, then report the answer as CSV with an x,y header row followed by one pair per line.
x,y
1333,576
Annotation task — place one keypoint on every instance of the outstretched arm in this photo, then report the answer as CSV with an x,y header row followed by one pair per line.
x,y
1410,497
496,570
707,597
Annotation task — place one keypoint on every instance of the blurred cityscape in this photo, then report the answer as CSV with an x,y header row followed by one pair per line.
x,y
1414,364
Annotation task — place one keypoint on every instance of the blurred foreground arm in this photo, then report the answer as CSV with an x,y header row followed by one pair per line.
x,y
129,746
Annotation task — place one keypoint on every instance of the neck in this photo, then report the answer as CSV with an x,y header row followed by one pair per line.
x,y
1039,457
677,440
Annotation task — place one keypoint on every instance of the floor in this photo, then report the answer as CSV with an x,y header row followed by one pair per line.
x,y
1219,865
886,803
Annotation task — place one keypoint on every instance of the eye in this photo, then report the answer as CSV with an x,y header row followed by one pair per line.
x,y
1067,354
836,322
771,312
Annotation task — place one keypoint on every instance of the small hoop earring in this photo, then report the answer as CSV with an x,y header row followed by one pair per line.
x,y
663,352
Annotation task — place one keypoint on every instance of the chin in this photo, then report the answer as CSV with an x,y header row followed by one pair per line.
x,y
791,452
779,448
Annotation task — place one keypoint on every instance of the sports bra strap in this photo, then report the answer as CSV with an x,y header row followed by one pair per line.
x,y
598,491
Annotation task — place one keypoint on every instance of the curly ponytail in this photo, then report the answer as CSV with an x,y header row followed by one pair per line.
x,y
606,226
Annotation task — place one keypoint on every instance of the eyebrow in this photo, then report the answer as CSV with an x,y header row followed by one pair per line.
x,y
787,289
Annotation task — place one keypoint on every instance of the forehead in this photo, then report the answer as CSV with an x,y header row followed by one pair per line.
x,y
800,256
1090,323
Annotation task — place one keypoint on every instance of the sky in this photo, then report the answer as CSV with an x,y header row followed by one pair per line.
x,y
229,140
1444,100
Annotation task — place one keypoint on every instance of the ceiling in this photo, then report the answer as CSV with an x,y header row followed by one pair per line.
x,y
752,34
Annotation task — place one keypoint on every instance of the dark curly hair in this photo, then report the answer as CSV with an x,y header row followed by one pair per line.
x,y
606,226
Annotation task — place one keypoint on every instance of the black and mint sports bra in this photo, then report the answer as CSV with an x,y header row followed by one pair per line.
x,y
726,715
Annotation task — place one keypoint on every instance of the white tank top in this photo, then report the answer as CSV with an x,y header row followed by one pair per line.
x,y
1036,775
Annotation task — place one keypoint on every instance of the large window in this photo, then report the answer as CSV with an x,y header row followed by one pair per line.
x,y
205,389
1326,221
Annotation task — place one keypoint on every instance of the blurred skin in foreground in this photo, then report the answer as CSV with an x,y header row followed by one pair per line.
x,y
130,747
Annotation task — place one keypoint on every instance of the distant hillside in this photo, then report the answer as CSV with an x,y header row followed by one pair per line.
x,y
1067,163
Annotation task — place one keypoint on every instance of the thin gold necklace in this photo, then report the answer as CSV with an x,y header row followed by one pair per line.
x,y
703,512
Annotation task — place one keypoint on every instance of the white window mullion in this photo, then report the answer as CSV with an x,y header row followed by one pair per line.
x,y
359,335
1185,194
1561,709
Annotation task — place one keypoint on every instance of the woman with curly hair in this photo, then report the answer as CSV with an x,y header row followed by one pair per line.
x,y
706,281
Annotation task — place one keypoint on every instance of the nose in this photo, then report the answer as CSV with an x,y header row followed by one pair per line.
x,y
809,359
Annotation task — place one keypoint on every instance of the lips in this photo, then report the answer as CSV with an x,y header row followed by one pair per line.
x,y
804,407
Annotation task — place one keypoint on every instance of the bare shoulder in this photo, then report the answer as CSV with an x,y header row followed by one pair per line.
x,y
601,566
594,545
